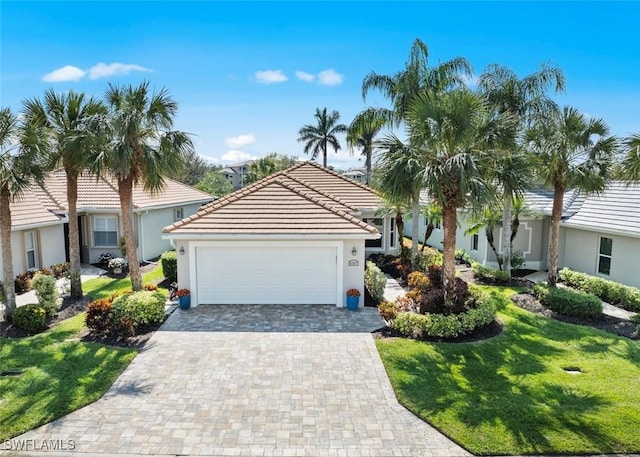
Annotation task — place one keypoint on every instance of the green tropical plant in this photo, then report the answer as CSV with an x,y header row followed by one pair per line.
x,y
630,166
141,149
65,118
570,152
267,166
319,137
23,158
215,184
361,133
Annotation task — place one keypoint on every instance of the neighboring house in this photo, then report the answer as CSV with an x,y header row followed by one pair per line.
x,y
298,236
40,220
599,234
235,173
357,174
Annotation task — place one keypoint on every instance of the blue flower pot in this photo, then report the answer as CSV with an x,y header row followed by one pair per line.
x,y
184,302
352,303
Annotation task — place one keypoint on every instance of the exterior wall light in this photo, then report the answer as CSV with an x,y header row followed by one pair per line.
x,y
181,250
354,251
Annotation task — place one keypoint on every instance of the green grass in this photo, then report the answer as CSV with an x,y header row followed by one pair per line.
x,y
60,375
510,394
98,288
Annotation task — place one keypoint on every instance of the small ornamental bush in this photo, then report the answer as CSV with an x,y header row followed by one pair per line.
x,y
375,281
47,293
105,258
169,261
569,302
29,318
98,317
388,310
490,274
434,272
23,282
136,310
60,270
612,292
116,262
419,280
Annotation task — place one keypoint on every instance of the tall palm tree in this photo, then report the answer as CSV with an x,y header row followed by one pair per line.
x,y
22,148
319,137
361,133
141,148
402,87
66,118
571,152
630,166
456,134
524,99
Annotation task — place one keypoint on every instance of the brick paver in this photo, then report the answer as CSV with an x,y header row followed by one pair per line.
x,y
254,381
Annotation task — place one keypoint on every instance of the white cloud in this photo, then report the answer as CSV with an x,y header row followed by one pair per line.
x,y
103,70
470,81
240,140
330,77
270,76
304,76
66,73
234,156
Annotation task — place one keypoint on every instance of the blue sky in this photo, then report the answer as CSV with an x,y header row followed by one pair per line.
x,y
248,75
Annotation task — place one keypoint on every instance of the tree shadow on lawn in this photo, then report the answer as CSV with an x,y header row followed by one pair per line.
x,y
510,394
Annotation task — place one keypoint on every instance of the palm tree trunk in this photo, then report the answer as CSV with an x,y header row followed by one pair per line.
x,y
427,234
492,245
400,227
125,187
449,225
367,164
324,154
7,257
556,217
506,235
74,236
415,227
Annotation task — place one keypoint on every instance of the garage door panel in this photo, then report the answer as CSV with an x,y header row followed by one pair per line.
x,y
266,274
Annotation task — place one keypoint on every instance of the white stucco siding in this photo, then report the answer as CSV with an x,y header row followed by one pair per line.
x,y
51,245
151,224
580,253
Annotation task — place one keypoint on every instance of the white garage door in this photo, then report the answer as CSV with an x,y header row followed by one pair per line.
x,y
266,275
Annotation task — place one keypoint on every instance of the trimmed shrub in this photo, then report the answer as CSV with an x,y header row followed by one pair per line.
x,y
60,270
419,280
98,317
150,287
23,282
375,281
446,325
29,318
434,272
517,260
136,310
612,292
490,274
430,256
47,293
569,302
169,261
388,310
105,258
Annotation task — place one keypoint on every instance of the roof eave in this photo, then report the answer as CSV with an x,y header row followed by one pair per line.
x,y
275,236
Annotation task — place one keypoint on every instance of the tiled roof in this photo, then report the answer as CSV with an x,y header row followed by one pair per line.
x,y
616,210
29,210
352,193
541,201
277,204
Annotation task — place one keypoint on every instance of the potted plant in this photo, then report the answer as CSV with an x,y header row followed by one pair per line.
x,y
105,258
353,298
184,298
116,265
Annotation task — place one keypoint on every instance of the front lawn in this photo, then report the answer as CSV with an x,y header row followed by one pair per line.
x,y
59,375
103,287
511,394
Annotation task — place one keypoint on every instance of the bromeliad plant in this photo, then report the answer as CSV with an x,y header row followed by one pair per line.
x,y
118,262
353,293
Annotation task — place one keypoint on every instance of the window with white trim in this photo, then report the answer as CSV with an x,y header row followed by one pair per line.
x,y
31,249
475,239
179,214
105,231
604,255
379,224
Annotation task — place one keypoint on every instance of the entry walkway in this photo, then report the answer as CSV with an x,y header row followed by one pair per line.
x,y
243,380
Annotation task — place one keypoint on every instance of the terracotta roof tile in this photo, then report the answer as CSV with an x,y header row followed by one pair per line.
x,y
29,210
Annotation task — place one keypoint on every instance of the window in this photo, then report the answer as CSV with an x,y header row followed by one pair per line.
x,y
30,244
179,214
377,223
392,233
105,231
604,255
474,242
437,225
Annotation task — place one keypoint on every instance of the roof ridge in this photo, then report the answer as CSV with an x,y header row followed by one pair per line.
x,y
327,170
321,192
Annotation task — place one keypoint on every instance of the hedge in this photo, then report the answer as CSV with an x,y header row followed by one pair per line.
x,y
29,318
416,325
612,292
569,302
132,311
375,281
169,261
490,274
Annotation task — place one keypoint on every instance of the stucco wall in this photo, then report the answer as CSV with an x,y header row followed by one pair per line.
x,y
353,274
581,254
151,225
530,240
50,248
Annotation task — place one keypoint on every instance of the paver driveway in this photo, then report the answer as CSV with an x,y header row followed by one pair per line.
x,y
254,380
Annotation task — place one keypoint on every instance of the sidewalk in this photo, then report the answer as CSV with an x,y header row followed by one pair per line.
x,y
393,289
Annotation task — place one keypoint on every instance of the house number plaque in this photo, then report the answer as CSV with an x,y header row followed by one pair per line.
x,y
353,263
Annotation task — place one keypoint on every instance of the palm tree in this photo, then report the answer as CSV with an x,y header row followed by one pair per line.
x,y
318,137
433,215
571,152
66,119
630,166
456,134
21,161
522,98
361,133
401,89
268,165
141,148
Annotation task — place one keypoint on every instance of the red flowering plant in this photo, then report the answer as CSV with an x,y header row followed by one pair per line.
x,y
353,293
183,293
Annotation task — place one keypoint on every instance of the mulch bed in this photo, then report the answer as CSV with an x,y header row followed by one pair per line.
x,y
607,323
479,334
